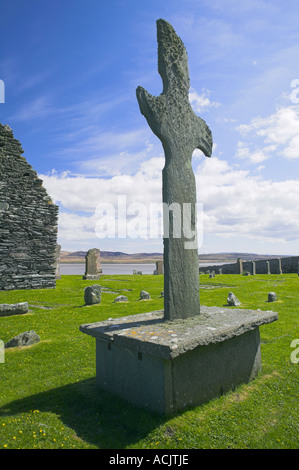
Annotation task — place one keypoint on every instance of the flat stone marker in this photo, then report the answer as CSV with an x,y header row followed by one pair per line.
x,y
144,295
13,309
23,339
120,298
92,265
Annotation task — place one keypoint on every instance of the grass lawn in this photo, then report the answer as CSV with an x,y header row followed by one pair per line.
x,y
48,398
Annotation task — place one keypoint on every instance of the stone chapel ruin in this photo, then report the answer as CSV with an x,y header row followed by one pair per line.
x,y
28,221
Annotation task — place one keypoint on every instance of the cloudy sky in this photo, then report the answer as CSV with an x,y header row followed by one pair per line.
x,y
70,70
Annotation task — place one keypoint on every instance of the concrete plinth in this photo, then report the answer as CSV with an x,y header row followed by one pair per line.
x,y
170,366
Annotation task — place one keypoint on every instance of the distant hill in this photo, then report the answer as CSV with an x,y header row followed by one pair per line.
x,y
120,257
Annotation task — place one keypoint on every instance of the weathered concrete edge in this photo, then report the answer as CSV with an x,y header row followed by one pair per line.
x,y
167,351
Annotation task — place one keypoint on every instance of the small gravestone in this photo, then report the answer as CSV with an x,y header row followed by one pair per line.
x,y
144,295
272,297
23,339
159,267
220,271
57,262
162,293
121,298
92,264
93,295
268,267
240,265
212,274
232,300
13,309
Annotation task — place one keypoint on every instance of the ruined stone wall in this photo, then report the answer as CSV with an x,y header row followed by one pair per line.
x,y
28,221
271,266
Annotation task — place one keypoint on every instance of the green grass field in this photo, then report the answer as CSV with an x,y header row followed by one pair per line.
x,y
48,398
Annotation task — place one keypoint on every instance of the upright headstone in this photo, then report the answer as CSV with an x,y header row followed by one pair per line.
x,y
272,296
253,268
279,266
159,267
93,294
240,265
173,121
268,267
92,264
57,261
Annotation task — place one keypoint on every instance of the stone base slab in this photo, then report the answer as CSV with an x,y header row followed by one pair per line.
x,y
91,277
170,366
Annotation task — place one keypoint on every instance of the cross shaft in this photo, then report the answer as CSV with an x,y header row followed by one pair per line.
x,y
173,121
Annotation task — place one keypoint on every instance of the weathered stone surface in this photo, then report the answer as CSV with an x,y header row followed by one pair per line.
x,y
159,267
13,309
23,339
57,261
92,264
272,296
91,277
121,298
148,332
93,294
173,121
232,300
275,266
28,221
144,295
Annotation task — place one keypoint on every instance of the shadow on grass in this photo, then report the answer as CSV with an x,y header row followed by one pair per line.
x,y
97,417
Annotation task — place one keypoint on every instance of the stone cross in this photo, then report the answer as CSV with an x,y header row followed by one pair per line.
x,y
173,121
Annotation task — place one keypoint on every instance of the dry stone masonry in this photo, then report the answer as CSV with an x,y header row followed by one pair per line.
x,y
28,221
272,266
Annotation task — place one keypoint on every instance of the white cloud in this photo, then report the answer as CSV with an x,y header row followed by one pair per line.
x,y
235,203
278,132
201,102
244,153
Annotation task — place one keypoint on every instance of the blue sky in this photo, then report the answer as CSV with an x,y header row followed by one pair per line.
x,y
71,68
